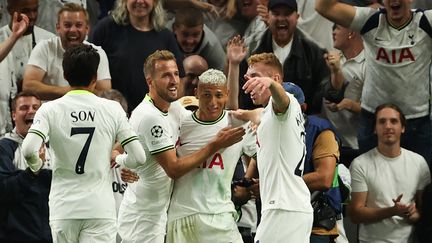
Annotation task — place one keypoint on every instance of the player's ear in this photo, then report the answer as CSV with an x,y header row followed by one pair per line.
x,y
277,78
149,80
93,83
196,92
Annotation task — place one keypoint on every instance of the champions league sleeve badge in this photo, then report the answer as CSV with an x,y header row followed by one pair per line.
x,y
156,131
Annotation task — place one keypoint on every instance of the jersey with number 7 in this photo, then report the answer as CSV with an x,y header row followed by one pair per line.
x,y
82,129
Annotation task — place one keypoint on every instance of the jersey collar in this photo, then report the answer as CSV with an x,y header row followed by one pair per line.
x,y
79,91
196,119
147,98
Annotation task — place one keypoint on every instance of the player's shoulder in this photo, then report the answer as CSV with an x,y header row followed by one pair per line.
x,y
52,104
110,106
147,112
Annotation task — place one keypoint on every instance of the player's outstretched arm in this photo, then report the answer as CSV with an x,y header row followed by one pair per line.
x,y
335,11
135,155
30,149
259,85
177,167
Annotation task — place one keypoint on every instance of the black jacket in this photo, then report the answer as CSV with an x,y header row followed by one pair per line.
x,y
24,214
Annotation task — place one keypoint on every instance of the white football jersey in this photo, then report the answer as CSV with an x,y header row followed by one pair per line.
x,y
281,154
158,132
207,188
82,130
397,61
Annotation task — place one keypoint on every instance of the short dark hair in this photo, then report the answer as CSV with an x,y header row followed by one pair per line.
x,y
23,94
190,17
394,107
80,64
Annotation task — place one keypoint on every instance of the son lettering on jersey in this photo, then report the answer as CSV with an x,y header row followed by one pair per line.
x,y
395,56
83,116
215,161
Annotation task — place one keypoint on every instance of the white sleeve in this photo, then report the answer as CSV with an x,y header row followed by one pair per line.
x,y
292,110
361,16
155,134
30,149
103,71
135,155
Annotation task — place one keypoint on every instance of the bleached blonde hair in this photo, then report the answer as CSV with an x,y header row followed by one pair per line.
x,y
212,76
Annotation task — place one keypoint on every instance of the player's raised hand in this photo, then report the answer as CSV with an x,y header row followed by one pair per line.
x,y
228,136
236,50
257,85
20,23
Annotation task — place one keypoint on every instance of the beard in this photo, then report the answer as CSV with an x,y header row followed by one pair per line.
x,y
29,30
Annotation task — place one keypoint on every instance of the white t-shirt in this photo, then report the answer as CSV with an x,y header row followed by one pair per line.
x,y
82,130
158,132
207,188
281,154
397,62
48,55
385,179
